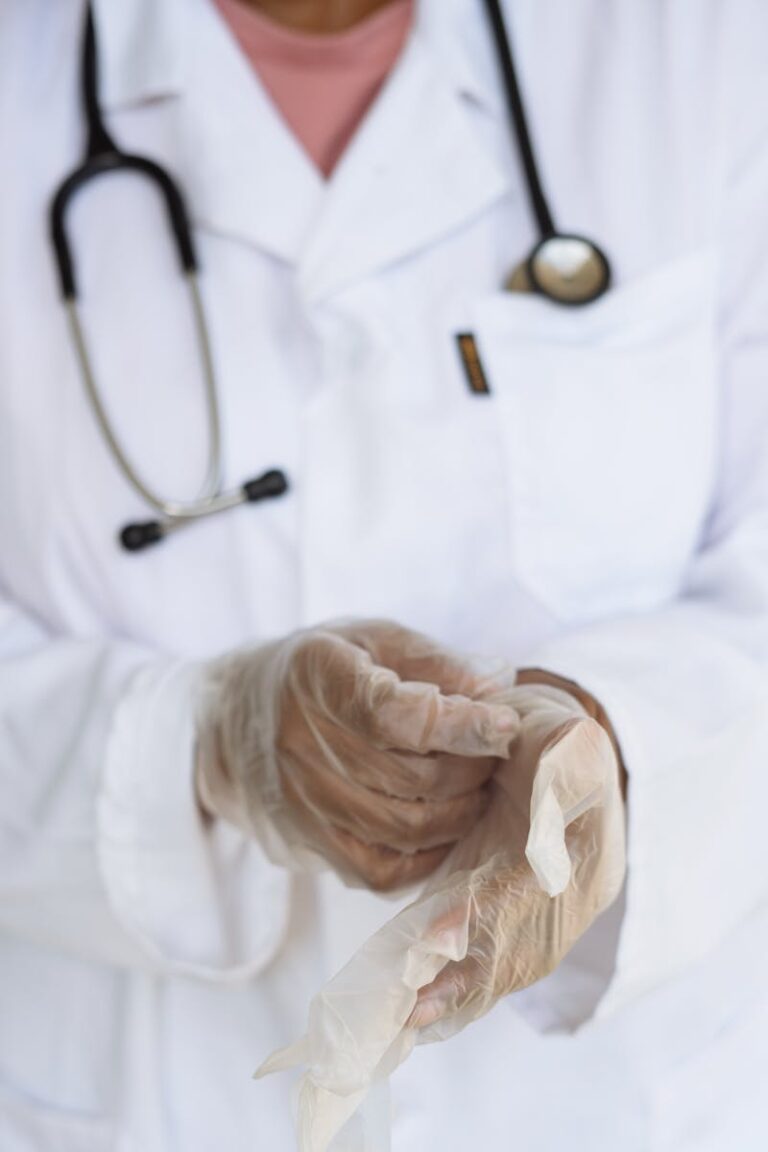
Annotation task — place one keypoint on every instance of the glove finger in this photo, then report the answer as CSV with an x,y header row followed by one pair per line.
x,y
508,928
404,825
414,656
414,717
517,933
453,990
575,773
434,776
331,677
597,847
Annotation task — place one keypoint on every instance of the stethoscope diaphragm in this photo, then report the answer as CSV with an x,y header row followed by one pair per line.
x,y
565,269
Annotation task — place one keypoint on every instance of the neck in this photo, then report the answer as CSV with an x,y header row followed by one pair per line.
x,y
318,15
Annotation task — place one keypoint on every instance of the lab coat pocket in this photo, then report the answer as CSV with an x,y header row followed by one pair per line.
x,y
29,1125
607,415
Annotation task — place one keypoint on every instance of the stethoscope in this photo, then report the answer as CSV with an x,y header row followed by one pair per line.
x,y
567,269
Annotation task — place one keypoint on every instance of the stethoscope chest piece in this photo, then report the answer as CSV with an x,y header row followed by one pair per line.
x,y
569,269
565,269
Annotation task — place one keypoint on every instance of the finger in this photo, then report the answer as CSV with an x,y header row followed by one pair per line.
x,y
414,717
414,656
404,825
455,988
469,728
380,868
331,677
519,934
434,776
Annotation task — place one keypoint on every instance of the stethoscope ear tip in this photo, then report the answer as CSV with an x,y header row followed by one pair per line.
x,y
272,483
136,537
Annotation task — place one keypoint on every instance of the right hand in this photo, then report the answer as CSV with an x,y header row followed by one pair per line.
x,y
360,743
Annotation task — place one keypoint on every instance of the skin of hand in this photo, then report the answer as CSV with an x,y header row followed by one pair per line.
x,y
380,757
517,932
318,16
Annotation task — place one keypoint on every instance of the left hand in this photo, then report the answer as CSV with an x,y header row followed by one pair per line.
x,y
521,904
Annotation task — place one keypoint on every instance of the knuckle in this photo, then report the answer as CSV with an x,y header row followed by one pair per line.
x,y
420,824
385,883
381,875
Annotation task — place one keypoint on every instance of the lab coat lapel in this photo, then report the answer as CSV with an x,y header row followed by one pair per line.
x,y
415,171
247,176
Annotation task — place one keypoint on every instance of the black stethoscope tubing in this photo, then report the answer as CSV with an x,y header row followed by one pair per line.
x,y
543,267
103,156
516,108
567,269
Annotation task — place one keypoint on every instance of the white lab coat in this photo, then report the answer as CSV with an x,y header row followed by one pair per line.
x,y
603,513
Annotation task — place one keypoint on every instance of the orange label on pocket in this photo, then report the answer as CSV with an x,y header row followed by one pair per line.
x,y
473,365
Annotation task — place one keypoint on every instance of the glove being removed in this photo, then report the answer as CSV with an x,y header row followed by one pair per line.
x,y
506,907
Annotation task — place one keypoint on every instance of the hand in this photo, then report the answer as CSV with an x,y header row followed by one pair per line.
x,y
359,743
544,861
538,871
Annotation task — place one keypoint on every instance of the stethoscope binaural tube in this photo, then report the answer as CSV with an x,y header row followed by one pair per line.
x,y
567,269
102,157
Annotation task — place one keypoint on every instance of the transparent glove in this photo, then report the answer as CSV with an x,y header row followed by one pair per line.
x,y
523,905
358,745
503,911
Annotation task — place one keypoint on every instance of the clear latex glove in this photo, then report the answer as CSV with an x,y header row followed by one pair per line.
x,y
505,908
358,745
526,909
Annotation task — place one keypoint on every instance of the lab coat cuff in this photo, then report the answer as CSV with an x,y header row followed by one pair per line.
x,y
200,897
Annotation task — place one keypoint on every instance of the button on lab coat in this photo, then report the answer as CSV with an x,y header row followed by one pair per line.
x,y
602,513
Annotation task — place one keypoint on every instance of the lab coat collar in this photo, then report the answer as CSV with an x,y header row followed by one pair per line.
x,y
144,48
415,170
247,176
459,38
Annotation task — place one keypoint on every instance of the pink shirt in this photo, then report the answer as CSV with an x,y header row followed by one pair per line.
x,y
322,84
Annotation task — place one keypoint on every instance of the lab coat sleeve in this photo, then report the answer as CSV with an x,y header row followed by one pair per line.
x,y
686,686
103,850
